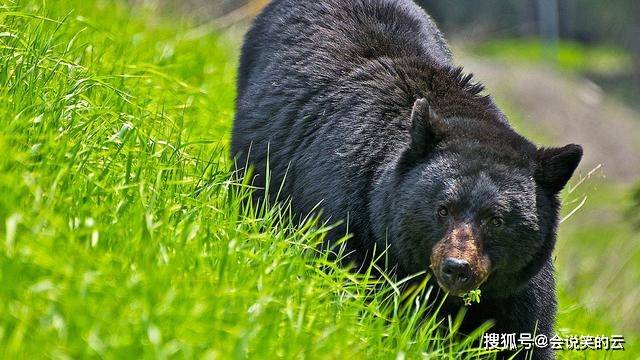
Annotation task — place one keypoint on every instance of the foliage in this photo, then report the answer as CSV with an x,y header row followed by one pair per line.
x,y
124,230
569,56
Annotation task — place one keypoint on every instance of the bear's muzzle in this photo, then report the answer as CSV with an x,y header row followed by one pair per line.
x,y
458,261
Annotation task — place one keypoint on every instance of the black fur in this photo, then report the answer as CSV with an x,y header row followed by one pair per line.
x,y
326,90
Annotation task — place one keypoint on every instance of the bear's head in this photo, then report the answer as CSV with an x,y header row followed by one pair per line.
x,y
475,203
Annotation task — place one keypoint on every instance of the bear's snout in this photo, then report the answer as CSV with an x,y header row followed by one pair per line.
x,y
458,261
455,273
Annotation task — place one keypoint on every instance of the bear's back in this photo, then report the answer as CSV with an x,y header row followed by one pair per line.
x,y
316,95
298,52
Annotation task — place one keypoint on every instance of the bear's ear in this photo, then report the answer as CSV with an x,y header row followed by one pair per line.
x,y
427,129
556,165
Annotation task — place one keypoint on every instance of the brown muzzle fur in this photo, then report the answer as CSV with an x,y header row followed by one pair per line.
x,y
461,243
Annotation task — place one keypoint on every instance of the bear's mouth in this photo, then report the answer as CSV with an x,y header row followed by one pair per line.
x,y
457,287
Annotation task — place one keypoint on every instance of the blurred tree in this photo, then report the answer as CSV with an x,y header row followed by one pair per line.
x,y
549,24
615,22
527,18
568,10
635,45
476,20
548,14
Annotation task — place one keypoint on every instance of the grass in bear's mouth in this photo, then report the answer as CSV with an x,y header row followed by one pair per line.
x,y
471,297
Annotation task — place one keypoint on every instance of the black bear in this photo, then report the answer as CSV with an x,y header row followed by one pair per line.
x,y
355,108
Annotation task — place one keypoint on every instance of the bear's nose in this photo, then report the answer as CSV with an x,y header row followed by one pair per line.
x,y
456,273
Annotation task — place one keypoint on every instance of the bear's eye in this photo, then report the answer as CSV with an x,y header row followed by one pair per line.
x,y
496,221
443,211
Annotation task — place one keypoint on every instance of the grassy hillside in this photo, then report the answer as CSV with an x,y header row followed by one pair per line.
x,y
121,231
123,234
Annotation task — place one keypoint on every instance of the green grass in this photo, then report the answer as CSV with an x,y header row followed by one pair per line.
x,y
569,56
598,261
122,230
122,233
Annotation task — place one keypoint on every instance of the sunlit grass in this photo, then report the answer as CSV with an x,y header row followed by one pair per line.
x,y
122,233
123,230
569,56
